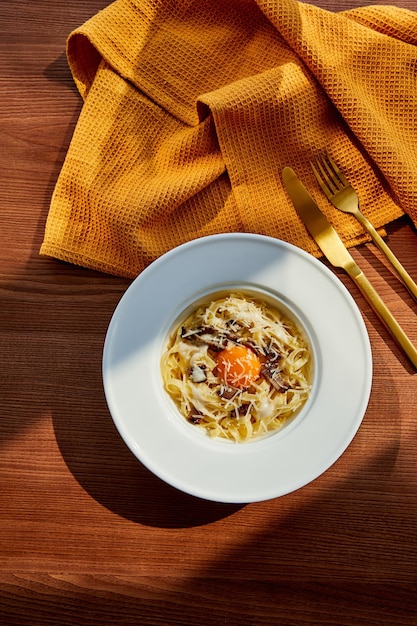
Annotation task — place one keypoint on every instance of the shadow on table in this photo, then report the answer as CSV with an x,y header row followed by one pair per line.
x,y
101,462
111,474
324,555
59,72
92,447
347,522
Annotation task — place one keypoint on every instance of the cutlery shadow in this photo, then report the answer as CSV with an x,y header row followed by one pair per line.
x,y
377,260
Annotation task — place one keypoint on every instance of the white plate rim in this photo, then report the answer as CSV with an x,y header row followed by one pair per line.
x,y
166,445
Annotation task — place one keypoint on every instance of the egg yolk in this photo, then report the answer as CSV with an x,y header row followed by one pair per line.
x,y
238,366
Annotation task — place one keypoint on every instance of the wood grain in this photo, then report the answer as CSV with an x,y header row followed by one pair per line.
x,y
87,534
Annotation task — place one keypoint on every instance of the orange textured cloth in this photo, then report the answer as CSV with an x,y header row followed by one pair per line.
x,y
193,107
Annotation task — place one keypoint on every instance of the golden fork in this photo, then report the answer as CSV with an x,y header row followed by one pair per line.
x,y
342,195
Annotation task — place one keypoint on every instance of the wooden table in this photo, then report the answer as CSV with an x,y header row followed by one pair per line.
x,y
87,534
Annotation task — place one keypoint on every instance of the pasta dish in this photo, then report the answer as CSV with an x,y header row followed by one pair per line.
x,y
237,368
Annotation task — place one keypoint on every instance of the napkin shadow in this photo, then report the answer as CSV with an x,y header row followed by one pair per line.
x,y
59,72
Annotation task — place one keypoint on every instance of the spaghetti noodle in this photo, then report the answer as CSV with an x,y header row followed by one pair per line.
x,y
237,368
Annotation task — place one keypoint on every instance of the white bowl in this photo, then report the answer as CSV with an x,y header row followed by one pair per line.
x,y
180,453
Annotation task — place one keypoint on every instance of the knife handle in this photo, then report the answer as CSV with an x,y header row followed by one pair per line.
x,y
385,316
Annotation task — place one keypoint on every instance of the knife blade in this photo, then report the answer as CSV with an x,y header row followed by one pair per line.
x,y
335,251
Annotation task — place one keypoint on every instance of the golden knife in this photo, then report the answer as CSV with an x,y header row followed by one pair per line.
x,y
334,249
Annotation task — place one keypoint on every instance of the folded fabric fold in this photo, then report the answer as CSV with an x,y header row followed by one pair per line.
x,y
192,108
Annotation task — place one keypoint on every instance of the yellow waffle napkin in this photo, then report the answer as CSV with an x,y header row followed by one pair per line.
x,y
193,107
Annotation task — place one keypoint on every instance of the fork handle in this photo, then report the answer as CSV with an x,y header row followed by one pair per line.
x,y
385,315
401,271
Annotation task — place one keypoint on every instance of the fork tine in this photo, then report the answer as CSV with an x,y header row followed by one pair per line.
x,y
337,171
330,174
325,189
322,176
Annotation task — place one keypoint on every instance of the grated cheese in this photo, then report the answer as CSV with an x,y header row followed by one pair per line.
x,y
246,413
